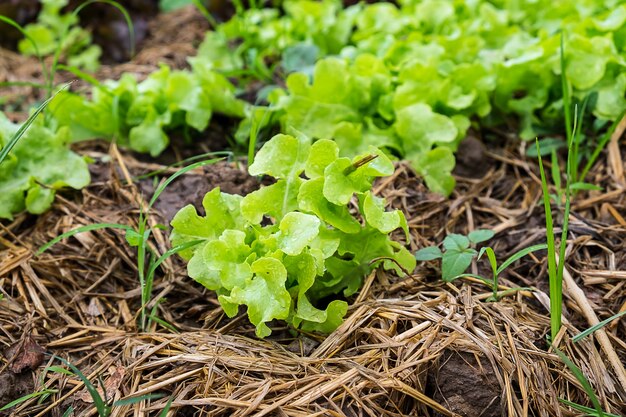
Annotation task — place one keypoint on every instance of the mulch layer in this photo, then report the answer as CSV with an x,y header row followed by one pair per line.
x,y
410,346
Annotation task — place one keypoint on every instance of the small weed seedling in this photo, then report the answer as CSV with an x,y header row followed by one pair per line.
x,y
139,238
41,394
459,255
497,270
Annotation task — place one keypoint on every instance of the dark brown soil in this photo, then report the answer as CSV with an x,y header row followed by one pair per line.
x,y
14,386
229,177
470,159
466,384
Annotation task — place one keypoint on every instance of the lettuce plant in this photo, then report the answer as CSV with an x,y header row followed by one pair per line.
x,y
359,104
285,250
138,114
268,32
37,166
47,33
412,75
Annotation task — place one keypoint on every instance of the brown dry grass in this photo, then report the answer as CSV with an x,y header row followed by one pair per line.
x,y
410,346
80,301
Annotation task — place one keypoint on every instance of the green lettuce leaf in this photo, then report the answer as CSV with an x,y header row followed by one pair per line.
x,y
264,295
40,164
281,250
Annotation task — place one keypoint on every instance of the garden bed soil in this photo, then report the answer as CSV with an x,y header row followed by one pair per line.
x,y
410,346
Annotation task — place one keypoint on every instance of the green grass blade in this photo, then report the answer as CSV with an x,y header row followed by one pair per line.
x,y
583,381
225,155
491,255
483,279
30,39
584,186
567,101
26,398
564,231
521,254
167,407
123,11
598,326
141,264
515,289
205,12
59,370
68,412
154,265
588,411
82,229
556,175
135,400
25,34
168,181
556,287
556,283
4,152
103,409
572,149
493,262
163,323
577,138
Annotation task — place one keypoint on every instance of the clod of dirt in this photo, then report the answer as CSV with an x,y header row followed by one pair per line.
x,y
231,179
24,354
303,346
465,386
14,386
470,159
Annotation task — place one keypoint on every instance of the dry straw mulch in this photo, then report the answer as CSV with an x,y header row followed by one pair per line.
x,y
410,346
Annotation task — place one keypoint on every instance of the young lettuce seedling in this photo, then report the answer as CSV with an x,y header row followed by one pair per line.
x,y
284,250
